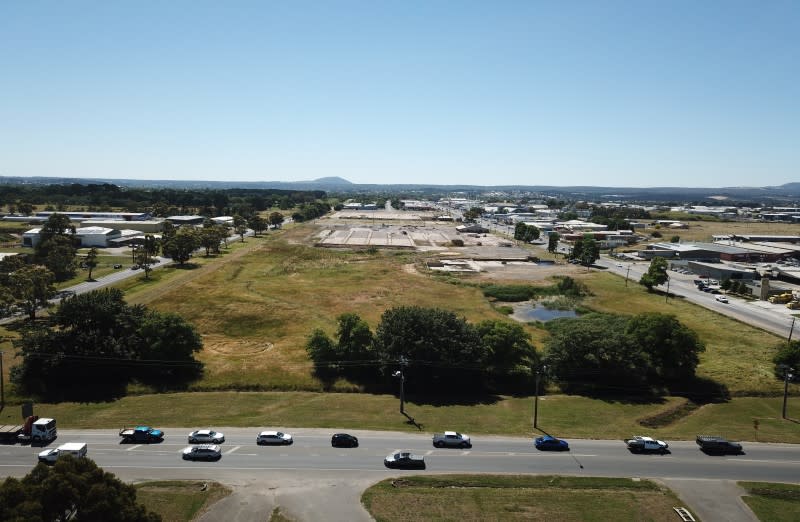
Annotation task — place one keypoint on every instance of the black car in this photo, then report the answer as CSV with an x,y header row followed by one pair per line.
x,y
344,440
716,445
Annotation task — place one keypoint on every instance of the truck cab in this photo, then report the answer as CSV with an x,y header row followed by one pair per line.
x,y
43,430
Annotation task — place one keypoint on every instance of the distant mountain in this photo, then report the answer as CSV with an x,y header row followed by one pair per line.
x,y
330,180
775,195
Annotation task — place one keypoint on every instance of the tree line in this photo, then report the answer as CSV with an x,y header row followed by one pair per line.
x,y
94,344
161,202
440,352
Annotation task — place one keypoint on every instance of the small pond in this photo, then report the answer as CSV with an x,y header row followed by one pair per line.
x,y
533,311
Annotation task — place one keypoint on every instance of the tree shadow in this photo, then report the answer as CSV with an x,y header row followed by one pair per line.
x,y
453,400
412,421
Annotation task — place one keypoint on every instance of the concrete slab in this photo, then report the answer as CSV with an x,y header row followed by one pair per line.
x,y
713,499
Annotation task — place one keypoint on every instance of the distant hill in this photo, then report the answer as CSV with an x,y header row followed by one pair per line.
x,y
783,194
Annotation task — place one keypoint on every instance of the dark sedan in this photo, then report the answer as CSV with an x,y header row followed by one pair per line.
x,y
344,440
548,443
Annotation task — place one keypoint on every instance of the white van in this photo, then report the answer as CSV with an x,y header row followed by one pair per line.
x,y
76,449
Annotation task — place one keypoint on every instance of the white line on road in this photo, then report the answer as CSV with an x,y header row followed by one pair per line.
x,y
232,450
428,452
134,447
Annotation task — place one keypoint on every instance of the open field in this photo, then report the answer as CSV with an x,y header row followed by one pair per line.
x,y
567,416
179,501
704,230
255,310
256,304
493,497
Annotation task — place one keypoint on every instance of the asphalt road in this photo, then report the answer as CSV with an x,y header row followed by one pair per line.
x,y
767,318
311,454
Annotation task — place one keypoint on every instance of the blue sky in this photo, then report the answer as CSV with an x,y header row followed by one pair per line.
x,y
600,92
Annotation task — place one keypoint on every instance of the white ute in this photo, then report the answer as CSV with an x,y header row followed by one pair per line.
x,y
76,449
641,444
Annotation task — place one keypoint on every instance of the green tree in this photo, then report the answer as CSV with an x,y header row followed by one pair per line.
x,y
788,356
322,351
240,226
257,223
675,239
102,342
673,349
656,274
585,250
144,261
616,351
72,489
210,238
181,245
510,356
726,284
552,242
276,219
91,261
61,257
441,348
31,287
56,247
525,233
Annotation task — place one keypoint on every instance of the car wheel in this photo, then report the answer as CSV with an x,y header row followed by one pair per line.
x,y
464,445
438,444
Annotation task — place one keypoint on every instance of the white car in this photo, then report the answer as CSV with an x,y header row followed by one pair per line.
x,y
273,437
721,298
202,452
206,436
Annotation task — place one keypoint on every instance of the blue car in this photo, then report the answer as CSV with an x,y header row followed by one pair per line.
x,y
548,443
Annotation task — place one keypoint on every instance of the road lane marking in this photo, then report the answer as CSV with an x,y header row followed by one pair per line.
x,y
734,459
429,452
134,447
466,452
232,450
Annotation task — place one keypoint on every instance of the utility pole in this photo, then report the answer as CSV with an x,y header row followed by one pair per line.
x,y
627,274
536,400
2,384
666,297
400,374
787,376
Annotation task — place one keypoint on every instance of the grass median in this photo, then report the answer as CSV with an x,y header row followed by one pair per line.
x,y
773,502
567,416
509,497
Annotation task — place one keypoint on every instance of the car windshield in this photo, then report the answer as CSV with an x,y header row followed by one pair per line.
x,y
279,434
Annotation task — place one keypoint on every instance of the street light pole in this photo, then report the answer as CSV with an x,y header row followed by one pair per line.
x,y
536,400
787,375
400,374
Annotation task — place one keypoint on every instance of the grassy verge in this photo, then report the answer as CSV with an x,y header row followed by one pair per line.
x,y
179,501
492,497
773,502
562,415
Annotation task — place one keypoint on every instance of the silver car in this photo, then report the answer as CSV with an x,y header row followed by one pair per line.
x,y
202,452
273,437
206,436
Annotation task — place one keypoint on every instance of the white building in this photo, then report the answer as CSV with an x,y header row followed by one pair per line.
x,y
96,236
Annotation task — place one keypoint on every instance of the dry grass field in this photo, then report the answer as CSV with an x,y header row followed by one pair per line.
x,y
705,230
256,307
